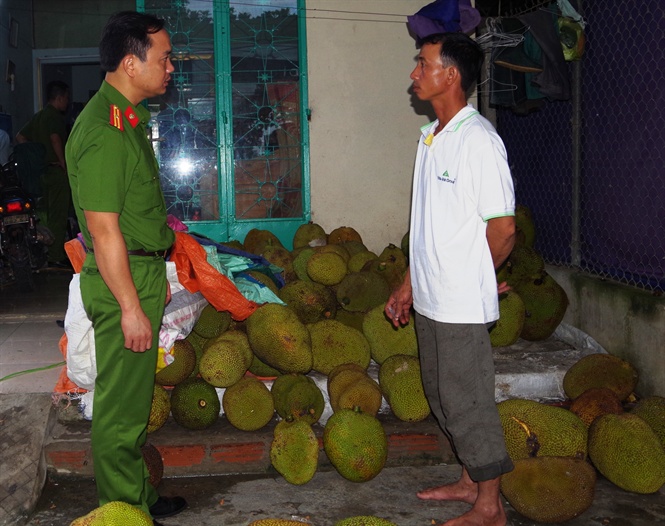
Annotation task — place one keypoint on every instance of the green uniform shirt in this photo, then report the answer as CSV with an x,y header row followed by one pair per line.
x,y
112,168
39,129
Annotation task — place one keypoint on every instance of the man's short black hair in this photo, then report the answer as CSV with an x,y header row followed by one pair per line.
x,y
461,51
127,33
55,89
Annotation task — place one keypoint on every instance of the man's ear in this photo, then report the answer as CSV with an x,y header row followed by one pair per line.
x,y
452,75
128,63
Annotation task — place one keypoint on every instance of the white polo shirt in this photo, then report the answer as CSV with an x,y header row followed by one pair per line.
x,y
461,180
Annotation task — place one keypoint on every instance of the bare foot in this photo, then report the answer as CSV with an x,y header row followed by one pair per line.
x,y
477,517
459,491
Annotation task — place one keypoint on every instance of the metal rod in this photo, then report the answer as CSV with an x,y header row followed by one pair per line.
x,y
576,139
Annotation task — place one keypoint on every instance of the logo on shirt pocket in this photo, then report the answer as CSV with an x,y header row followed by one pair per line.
x,y
445,177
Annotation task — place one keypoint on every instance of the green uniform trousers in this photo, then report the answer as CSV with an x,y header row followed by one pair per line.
x,y
55,203
124,383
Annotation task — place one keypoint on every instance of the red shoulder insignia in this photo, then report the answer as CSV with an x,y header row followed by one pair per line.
x,y
131,116
116,118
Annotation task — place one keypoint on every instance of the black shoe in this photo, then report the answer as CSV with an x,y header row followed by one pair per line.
x,y
167,507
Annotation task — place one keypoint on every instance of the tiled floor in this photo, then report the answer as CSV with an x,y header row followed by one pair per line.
x,y
29,333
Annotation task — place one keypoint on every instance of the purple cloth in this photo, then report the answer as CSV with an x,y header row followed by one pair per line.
x,y
443,16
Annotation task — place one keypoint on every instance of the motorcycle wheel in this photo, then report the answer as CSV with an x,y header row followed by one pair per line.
x,y
19,258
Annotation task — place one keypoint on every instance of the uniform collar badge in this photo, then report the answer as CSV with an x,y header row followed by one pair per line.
x,y
132,117
116,118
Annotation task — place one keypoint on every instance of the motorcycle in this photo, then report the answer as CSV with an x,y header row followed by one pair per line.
x,y
23,243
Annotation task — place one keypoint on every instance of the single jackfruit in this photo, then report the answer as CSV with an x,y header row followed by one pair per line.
x,y
160,408
263,279
402,387
508,327
353,247
362,291
550,489
311,301
350,319
282,258
300,259
338,249
600,370
627,452
297,396
341,378
364,520
545,302
309,235
262,369
525,229
257,240
226,359
334,343
356,444
184,362
523,263
195,404
342,234
115,513
294,451
652,410
198,342
404,245
248,404
385,339
212,322
280,339
364,393
359,260
533,429
595,402
275,522
390,265
327,268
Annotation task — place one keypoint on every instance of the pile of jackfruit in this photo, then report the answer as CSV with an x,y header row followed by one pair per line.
x,y
558,450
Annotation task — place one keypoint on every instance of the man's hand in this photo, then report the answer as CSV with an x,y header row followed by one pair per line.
x,y
168,293
503,287
399,304
137,330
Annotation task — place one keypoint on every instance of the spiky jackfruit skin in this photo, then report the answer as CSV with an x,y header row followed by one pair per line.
x,y
342,234
225,359
402,387
154,462
550,489
309,235
160,408
326,268
338,249
595,402
343,377
114,513
300,259
545,303
184,362
652,410
627,452
359,260
365,393
356,444
361,291
310,301
280,339
298,397
353,247
281,257
525,228
212,322
198,342
350,319
195,404
248,404
294,451
334,343
523,263
365,520
534,429
508,327
262,369
263,279
391,265
385,339
257,240
600,370
275,522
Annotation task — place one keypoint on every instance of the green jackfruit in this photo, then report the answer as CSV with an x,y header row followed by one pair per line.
x,y
341,378
364,393
160,408
365,520
225,359
545,302
353,247
262,369
595,402
338,249
385,339
533,429
198,342
525,229
359,260
281,257
361,291
257,240
311,301
264,279
212,322
391,265
652,410
309,235
508,327
600,370
184,362
248,404
195,404
350,319
356,444
342,234
280,339
523,263
627,452
550,489
297,396
404,245
327,268
275,522
402,387
114,513
334,343
300,263
294,451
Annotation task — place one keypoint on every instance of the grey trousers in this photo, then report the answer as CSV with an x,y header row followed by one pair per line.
x,y
457,369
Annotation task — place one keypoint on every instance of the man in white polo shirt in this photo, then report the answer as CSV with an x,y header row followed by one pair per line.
x,y
462,229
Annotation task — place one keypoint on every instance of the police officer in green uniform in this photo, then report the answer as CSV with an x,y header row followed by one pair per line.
x,y
48,128
120,207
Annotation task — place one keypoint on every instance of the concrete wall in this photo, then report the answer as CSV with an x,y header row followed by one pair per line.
x,y
627,322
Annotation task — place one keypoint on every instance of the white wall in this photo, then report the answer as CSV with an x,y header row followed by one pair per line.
x,y
363,130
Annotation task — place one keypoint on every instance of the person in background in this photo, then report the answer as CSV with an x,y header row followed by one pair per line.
x,y
120,207
48,128
462,228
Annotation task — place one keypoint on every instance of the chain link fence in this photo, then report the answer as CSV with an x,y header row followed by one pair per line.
x,y
590,168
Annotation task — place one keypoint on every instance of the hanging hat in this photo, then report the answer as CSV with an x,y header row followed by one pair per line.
x,y
443,16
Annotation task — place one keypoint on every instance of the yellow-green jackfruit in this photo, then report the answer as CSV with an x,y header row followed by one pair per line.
x,y
281,257
212,322
300,260
225,359
257,240
361,291
508,327
525,228
294,451
115,513
364,520
297,396
545,303
402,387
264,279
600,370
652,410
248,404
327,268
334,343
385,339
364,393
184,362
359,260
160,408
195,404
523,263
309,235
262,369
275,522
311,301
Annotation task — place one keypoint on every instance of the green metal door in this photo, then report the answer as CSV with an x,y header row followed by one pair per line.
x,y
229,133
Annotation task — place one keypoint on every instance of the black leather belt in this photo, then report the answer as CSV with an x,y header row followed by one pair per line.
x,y
153,253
